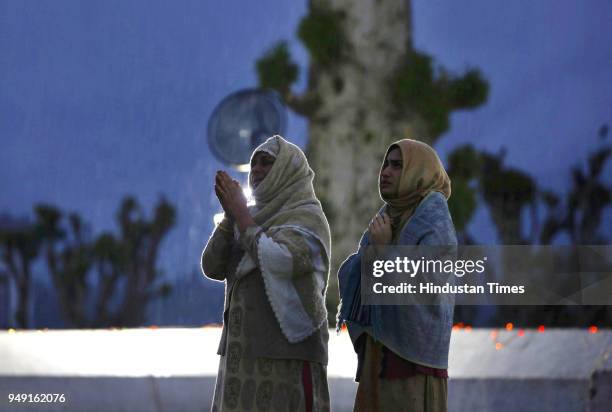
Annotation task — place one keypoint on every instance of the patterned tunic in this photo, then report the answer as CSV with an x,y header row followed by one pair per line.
x,y
248,383
245,383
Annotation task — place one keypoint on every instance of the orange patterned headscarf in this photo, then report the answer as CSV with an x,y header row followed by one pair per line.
x,y
422,173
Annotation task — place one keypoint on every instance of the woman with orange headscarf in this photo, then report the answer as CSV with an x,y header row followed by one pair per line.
x,y
402,350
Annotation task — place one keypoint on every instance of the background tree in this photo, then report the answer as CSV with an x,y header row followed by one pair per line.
x,y
19,247
367,86
464,166
579,216
509,194
581,213
104,281
68,258
135,255
5,302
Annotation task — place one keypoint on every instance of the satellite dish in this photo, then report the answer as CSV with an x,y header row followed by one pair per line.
x,y
242,121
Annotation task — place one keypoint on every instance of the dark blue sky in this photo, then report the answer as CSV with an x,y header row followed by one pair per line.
x,y
99,100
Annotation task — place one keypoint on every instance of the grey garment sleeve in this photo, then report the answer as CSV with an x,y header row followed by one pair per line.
x,y
216,254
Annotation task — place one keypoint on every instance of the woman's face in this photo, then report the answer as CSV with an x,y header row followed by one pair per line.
x,y
391,173
260,166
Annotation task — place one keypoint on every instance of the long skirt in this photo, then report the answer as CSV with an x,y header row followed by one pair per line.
x,y
245,383
419,393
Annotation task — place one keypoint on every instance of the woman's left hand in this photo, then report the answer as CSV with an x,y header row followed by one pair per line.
x,y
380,230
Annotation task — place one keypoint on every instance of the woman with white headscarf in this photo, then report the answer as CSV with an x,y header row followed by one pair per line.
x,y
274,258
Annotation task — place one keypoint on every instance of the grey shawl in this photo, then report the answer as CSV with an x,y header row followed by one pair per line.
x,y
420,334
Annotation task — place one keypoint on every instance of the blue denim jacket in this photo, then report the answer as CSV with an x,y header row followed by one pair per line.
x,y
418,333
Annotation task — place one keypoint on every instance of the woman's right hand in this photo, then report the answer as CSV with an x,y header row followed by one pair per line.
x,y
380,230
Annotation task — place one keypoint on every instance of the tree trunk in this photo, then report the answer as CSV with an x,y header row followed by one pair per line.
x,y
354,121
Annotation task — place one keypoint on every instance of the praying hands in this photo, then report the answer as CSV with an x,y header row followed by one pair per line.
x,y
232,200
